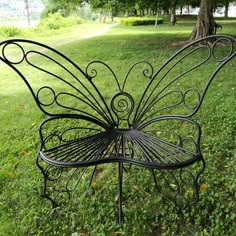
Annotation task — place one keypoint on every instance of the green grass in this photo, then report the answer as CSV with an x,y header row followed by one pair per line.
x,y
23,212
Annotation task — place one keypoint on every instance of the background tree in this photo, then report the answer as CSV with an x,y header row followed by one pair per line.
x,y
45,2
205,22
225,4
27,11
66,7
173,6
105,8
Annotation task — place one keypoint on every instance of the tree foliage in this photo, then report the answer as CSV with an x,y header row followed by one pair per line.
x,y
131,7
65,6
105,8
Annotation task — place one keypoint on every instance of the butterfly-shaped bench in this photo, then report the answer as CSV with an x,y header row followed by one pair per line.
x,y
144,119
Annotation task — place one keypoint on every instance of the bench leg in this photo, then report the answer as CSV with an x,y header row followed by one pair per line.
x,y
157,188
180,186
45,179
120,180
92,176
155,181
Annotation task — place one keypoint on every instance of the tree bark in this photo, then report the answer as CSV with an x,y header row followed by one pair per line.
x,y
205,23
112,15
27,11
100,15
188,8
226,8
172,14
156,16
104,17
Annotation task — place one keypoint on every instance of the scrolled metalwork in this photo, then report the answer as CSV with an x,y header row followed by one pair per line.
x,y
50,93
180,187
191,141
21,56
86,125
146,70
53,173
221,41
196,101
92,72
59,185
62,197
122,104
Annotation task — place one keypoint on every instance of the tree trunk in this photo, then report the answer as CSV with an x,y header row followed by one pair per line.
x,y
112,14
205,22
100,16
158,9
27,11
172,14
226,8
156,20
104,17
188,9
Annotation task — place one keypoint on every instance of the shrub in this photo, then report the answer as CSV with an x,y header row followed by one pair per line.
x,y
134,21
53,8
9,31
73,20
57,21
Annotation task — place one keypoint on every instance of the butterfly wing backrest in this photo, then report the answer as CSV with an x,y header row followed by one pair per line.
x,y
166,100
179,86
58,85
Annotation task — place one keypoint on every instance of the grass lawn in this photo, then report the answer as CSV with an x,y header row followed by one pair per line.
x,y
23,212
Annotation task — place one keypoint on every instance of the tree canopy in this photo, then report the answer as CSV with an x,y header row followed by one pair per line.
x,y
65,6
131,7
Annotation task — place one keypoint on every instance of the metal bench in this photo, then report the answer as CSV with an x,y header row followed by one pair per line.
x,y
143,120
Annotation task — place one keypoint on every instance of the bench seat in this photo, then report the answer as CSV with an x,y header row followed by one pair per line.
x,y
108,146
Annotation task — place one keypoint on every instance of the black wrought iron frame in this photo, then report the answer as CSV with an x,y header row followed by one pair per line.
x,y
122,128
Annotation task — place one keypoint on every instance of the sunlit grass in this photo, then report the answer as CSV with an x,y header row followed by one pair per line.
x,y
60,36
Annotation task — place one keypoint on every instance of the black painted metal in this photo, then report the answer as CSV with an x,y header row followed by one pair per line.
x,y
87,127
